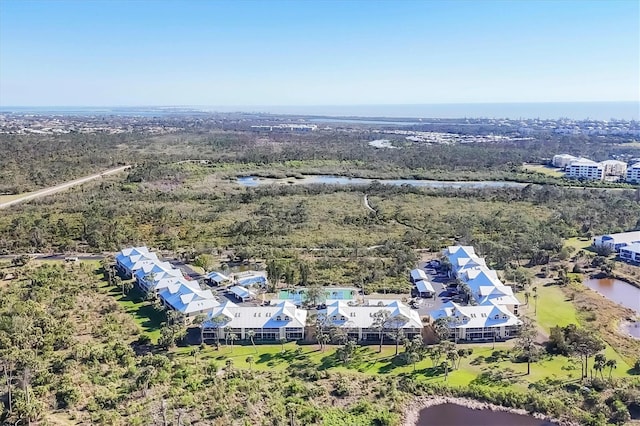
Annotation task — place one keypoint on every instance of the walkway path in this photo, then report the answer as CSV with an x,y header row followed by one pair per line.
x,y
366,203
61,187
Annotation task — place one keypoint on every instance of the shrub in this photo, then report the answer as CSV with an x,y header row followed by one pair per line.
x,y
144,339
67,396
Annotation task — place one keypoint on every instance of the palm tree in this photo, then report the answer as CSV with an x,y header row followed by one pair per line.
x,y
323,339
249,361
413,357
535,300
599,362
445,365
251,334
232,338
381,321
199,321
612,364
441,328
194,353
453,357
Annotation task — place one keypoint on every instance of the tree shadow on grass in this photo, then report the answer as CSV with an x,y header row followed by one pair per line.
x,y
328,361
394,362
431,372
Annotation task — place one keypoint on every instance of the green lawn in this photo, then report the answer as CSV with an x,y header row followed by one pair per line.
x,y
148,319
485,359
553,308
578,243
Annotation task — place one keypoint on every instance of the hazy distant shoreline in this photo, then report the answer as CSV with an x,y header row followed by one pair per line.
x,y
531,110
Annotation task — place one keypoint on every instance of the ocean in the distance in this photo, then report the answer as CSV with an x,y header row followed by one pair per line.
x,y
543,110
546,110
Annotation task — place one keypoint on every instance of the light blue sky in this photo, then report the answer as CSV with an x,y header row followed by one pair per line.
x,y
313,53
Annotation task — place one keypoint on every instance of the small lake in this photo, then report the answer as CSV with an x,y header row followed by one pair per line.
x,y
457,415
340,180
617,291
623,294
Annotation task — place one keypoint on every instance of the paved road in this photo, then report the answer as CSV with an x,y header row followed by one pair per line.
x,y
61,187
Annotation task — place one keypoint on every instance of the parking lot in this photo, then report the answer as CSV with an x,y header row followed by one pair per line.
x,y
443,294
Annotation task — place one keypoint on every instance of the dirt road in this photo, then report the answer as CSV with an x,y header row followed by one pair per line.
x,y
61,187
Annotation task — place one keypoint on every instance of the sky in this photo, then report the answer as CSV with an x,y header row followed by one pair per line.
x,y
132,53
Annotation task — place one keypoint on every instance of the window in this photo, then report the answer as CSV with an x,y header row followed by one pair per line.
x,y
286,318
496,317
278,318
237,314
268,314
352,314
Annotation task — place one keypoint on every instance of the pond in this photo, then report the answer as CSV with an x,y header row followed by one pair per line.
x,y
340,180
457,415
617,291
623,294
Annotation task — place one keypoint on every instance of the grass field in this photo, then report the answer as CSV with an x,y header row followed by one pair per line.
x,y
142,311
578,243
546,170
482,366
553,308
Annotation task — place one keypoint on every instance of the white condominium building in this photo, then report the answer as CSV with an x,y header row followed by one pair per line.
x,y
633,173
585,169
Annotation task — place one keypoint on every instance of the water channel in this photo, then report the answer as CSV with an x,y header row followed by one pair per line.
x,y
340,180
621,293
457,415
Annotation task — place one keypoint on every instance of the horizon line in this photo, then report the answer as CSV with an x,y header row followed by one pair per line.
x,y
305,105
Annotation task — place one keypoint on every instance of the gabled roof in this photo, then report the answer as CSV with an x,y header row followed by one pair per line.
x,y
424,287
252,280
135,262
454,252
186,299
478,316
131,251
155,268
241,292
217,277
259,316
338,308
343,315
418,274
461,263
171,281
